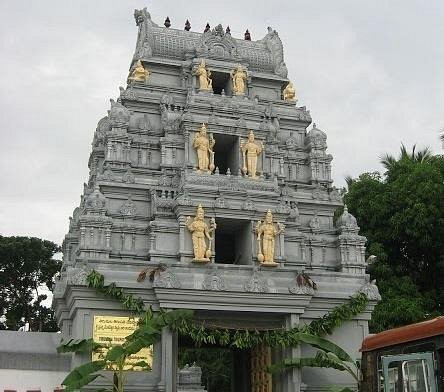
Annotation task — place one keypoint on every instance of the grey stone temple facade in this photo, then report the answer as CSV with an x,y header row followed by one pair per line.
x,y
206,165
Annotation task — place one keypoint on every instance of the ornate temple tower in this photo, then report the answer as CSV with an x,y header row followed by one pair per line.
x,y
204,164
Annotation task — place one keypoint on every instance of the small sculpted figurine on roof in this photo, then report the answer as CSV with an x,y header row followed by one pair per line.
x,y
139,74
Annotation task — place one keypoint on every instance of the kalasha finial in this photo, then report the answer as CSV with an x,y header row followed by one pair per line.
x,y
247,36
207,28
187,25
167,22
227,30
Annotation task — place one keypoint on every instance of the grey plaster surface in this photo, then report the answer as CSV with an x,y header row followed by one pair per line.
x,y
143,184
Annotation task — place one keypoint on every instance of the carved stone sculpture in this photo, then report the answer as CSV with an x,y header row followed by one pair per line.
x,y
266,233
289,93
200,230
250,152
239,77
204,76
140,73
204,143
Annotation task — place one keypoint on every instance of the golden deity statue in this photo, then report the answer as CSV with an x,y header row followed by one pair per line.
x,y
204,75
268,231
250,152
139,74
239,77
204,143
289,93
200,230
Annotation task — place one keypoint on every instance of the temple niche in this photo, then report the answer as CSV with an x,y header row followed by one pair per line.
x,y
206,165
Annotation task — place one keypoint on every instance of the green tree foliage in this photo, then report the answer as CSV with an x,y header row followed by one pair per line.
x,y
402,215
26,263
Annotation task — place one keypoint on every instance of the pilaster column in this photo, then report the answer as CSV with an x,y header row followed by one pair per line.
x,y
292,379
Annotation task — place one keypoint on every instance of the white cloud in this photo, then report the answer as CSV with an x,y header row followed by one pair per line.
x,y
371,74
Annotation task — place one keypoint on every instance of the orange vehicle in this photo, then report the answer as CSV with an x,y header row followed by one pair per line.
x,y
405,359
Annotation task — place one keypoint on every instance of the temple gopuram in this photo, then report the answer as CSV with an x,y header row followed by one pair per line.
x,y
206,167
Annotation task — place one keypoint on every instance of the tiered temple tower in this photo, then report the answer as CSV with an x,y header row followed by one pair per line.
x,y
204,165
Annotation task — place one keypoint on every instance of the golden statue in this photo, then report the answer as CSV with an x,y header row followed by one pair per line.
x,y
268,232
204,75
139,74
239,77
250,152
289,92
204,147
199,230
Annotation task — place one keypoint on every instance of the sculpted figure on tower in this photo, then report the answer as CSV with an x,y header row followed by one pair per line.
x,y
200,230
250,153
204,75
268,232
289,92
139,74
239,77
204,143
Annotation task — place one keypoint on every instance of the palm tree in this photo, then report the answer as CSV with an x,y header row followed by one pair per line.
x,y
388,161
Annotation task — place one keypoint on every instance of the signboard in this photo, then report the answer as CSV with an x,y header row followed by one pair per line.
x,y
111,331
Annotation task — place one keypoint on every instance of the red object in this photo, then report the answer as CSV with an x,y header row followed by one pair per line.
x,y
408,333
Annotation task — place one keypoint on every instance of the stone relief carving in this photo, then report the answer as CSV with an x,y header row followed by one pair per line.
x,y
129,177
139,73
203,76
371,291
250,153
257,284
248,204
128,208
315,223
266,233
119,115
200,230
144,124
289,93
274,44
76,276
214,281
166,279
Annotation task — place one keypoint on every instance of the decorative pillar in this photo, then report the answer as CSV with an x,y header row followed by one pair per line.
x,y
292,379
186,135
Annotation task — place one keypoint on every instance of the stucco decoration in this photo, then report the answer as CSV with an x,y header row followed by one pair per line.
x,y
273,43
139,73
96,200
266,233
250,153
214,281
166,279
200,230
217,44
239,80
76,276
371,291
257,284
128,208
189,379
289,93
204,144
119,115
203,76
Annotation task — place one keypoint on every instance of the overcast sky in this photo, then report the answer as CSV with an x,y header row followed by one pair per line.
x,y
371,73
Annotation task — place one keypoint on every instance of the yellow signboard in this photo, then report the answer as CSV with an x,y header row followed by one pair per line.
x,y
111,331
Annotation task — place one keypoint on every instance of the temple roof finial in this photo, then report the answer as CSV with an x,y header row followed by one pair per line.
x,y
187,25
228,30
207,27
167,22
247,36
